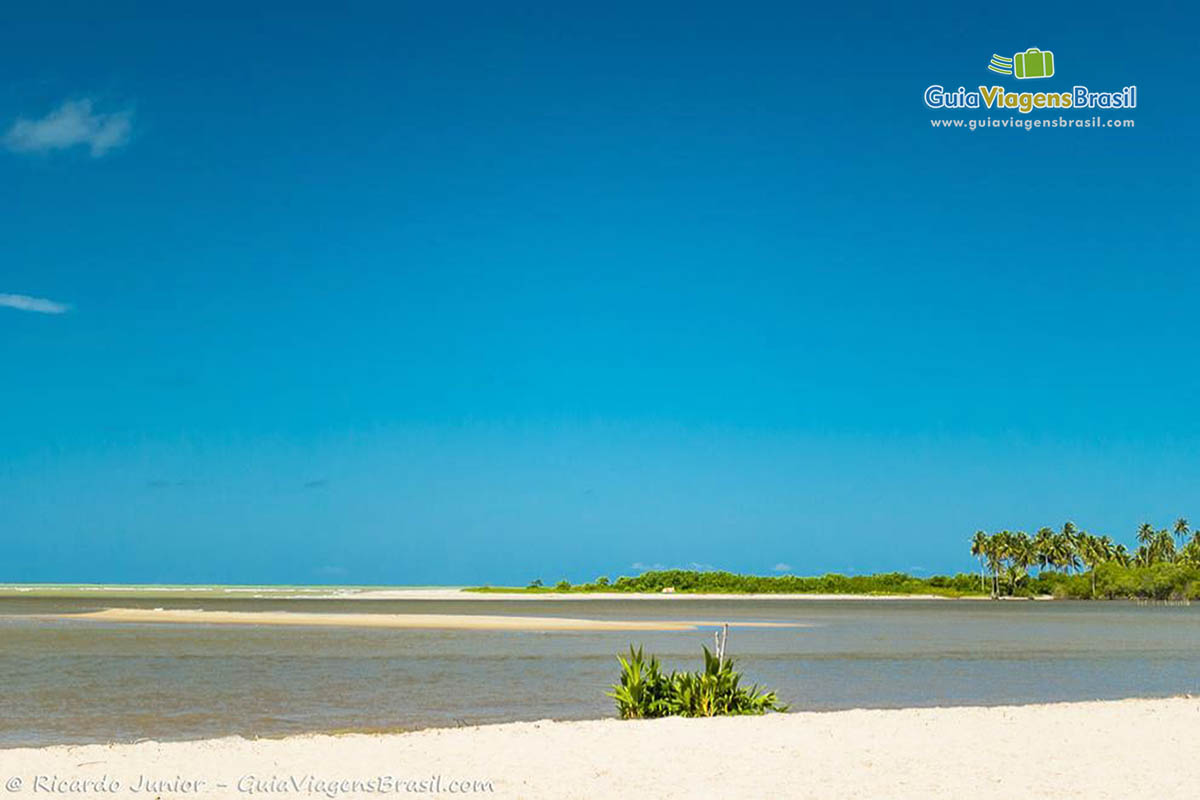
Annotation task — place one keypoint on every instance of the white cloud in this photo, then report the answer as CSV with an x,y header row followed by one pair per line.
x,y
694,565
73,123
39,305
781,567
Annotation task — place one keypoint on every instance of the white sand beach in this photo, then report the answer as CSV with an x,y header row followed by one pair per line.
x,y
476,622
1123,749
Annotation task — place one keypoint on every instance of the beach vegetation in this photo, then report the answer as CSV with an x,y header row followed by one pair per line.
x,y
645,691
722,582
1073,563
1162,564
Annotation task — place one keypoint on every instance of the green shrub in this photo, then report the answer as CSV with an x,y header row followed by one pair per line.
x,y
720,582
645,692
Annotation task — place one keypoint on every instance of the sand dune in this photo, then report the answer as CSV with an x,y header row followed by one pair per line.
x,y
1126,749
415,621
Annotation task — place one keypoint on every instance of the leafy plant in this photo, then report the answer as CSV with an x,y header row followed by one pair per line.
x,y
645,692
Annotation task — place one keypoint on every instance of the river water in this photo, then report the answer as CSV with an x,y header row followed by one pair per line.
x,y
71,680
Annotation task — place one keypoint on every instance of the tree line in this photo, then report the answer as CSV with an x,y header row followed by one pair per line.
x,y
1010,556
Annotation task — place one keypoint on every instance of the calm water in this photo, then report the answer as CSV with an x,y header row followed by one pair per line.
x,y
79,681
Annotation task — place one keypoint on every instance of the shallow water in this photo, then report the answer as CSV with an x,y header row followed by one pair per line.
x,y
84,681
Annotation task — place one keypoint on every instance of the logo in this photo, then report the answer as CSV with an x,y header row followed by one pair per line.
x,y
1033,63
1001,64
1025,65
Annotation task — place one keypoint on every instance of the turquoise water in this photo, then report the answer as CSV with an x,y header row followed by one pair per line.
x,y
81,681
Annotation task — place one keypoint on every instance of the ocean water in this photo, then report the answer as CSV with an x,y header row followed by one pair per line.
x,y
64,680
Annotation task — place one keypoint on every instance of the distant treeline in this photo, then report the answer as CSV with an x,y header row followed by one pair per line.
x,y
1065,563
716,582
1074,563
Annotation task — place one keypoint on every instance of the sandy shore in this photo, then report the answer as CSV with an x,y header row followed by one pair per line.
x,y
478,622
1126,749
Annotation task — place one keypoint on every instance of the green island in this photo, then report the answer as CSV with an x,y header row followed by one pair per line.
x,y
1067,563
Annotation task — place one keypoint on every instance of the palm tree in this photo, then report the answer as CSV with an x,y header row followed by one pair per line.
x,y
1182,530
1043,542
1156,546
1064,552
1190,554
1022,555
1070,543
979,546
1145,534
1094,550
995,554
1108,549
1014,554
1164,545
1087,554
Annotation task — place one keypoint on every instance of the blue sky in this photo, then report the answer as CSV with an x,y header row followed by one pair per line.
x,y
405,293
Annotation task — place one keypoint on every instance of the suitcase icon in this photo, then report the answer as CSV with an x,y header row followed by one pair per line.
x,y
1033,63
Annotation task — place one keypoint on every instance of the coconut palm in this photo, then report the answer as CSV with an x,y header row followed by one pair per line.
x,y
1181,531
1043,543
979,546
1064,552
1094,551
1164,545
995,555
1070,543
1190,554
1021,555
1014,554
1089,555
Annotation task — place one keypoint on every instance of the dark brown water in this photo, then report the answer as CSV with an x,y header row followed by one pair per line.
x,y
82,681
